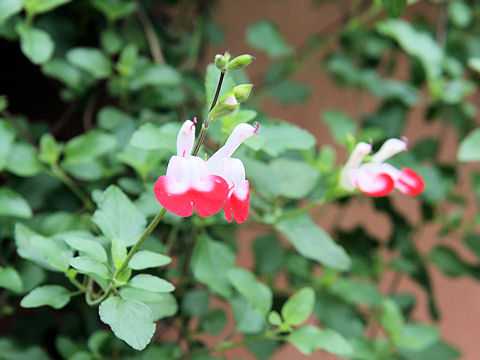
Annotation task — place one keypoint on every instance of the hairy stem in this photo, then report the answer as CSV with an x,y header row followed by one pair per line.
x,y
140,241
203,131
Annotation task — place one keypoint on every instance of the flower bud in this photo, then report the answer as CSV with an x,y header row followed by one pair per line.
x,y
242,92
220,62
240,62
226,105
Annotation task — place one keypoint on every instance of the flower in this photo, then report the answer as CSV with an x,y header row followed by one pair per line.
x,y
188,183
232,170
378,178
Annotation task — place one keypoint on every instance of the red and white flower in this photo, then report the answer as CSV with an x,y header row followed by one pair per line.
x,y
188,183
232,170
378,178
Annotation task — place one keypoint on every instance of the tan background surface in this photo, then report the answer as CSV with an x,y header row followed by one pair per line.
x,y
458,299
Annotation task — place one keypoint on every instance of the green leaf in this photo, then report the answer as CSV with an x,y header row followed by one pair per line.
x,y
213,322
8,8
314,243
23,160
151,283
297,179
13,204
127,59
10,279
355,292
340,125
211,262
114,9
289,92
416,337
394,8
265,180
91,60
299,306
438,351
90,247
45,252
280,137
7,134
161,304
34,7
309,338
62,71
118,251
89,146
460,14
247,319
196,302
129,320
246,284
51,295
150,137
469,150
148,259
155,74
416,43
36,44
117,217
392,319
50,150
448,261
89,266
269,255
264,35
473,242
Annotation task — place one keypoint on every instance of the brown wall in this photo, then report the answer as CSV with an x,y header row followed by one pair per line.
x,y
458,299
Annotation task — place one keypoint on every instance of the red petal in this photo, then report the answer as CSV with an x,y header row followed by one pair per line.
x,y
371,183
240,206
227,210
179,204
410,182
207,203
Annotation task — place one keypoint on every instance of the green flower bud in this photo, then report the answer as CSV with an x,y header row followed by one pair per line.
x,y
226,105
242,92
220,62
240,62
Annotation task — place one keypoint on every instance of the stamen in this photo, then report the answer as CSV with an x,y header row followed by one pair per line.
x,y
194,122
257,125
183,155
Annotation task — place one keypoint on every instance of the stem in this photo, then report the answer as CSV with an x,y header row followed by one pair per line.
x,y
140,241
152,38
59,173
97,301
302,210
203,131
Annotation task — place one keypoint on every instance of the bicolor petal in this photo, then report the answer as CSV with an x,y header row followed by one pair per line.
x,y
232,170
378,178
188,184
371,183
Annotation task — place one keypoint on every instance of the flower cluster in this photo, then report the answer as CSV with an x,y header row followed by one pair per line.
x,y
191,183
377,178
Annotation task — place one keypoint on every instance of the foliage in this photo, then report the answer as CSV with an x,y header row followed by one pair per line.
x,y
75,207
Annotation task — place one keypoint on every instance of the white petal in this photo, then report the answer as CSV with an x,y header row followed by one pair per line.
x,y
186,138
389,148
361,150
